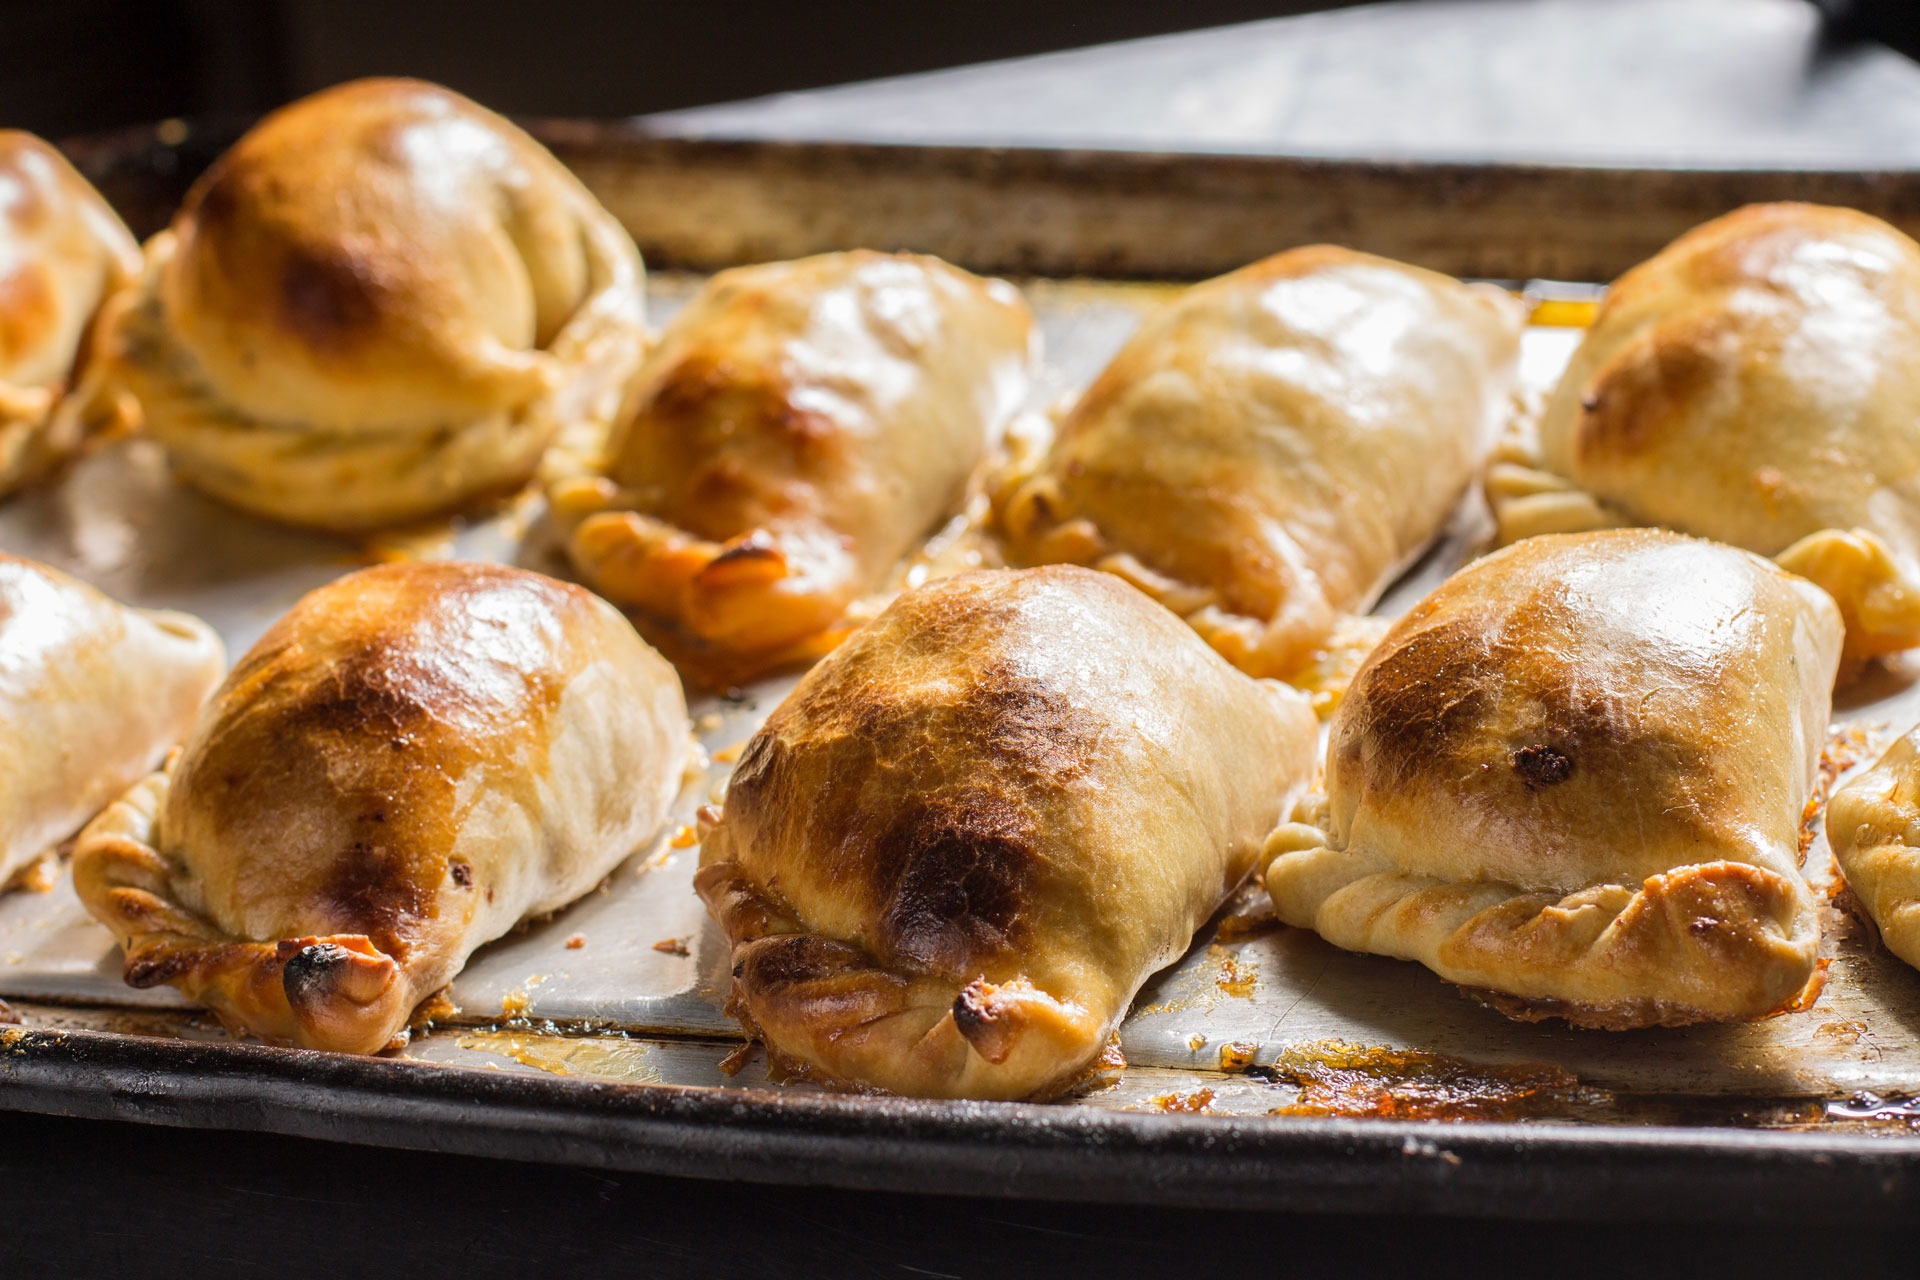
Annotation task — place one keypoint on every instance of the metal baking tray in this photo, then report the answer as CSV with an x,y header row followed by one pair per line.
x,y
1266,1068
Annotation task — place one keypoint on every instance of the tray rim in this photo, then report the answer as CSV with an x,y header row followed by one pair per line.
x,y
1509,1170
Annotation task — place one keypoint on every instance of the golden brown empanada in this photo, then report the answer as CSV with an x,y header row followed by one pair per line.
x,y
1572,778
957,849
92,695
63,251
801,427
1270,451
412,761
1873,824
1757,382
382,303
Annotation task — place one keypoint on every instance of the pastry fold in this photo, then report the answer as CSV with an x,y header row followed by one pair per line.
x,y
953,854
382,303
1573,779
412,761
63,253
800,428
1873,824
1272,449
1756,382
92,695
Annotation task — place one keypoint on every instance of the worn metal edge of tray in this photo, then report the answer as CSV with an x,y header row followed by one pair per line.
x,y
962,1148
707,203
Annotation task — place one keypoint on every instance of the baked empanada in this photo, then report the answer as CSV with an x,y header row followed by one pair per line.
x,y
382,303
1270,451
63,251
92,695
957,849
1572,779
1756,382
1873,824
801,427
412,761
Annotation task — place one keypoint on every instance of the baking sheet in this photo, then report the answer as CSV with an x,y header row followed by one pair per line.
x,y
543,1000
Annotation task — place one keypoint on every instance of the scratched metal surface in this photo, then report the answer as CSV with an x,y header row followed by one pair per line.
x,y
121,522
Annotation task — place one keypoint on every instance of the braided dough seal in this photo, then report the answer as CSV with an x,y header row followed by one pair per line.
x,y
412,761
953,854
63,253
801,427
382,303
1270,452
1573,778
1756,382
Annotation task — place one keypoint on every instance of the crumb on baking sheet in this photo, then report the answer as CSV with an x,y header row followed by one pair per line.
x,y
1197,1103
671,946
684,837
576,941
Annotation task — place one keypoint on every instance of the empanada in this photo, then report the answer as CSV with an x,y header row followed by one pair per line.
x,y
63,252
1270,451
382,303
92,695
1573,777
1873,824
957,849
412,761
801,427
1756,382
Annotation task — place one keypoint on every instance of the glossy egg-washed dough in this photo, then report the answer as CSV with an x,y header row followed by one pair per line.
x,y
1573,779
92,695
63,251
381,303
1873,824
412,761
801,427
1268,452
1756,382
953,854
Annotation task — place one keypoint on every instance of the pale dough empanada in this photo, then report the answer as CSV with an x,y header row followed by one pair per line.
x,y
382,303
1268,452
63,252
1756,382
1573,778
1873,824
92,695
801,427
412,761
957,849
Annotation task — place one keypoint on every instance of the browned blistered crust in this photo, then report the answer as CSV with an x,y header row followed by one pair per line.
x,y
1575,774
63,253
396,751
1260,467
1706,398
799,429
950,857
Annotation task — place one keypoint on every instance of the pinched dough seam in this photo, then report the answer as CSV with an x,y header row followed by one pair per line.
x,y
935,1037
331,993
1409,916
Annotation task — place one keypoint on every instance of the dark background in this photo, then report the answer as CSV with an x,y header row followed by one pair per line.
x,y
72,66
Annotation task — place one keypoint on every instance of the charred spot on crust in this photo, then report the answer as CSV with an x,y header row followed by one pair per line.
x,y
309,972
1541,766
329,296
462,873
960,874
376,891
